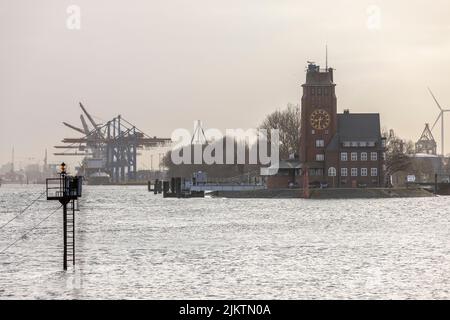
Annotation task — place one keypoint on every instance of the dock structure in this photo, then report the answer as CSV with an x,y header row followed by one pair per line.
x,y
110,148
66,189
179,187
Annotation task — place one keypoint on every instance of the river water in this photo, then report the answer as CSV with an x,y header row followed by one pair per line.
x,y
132,244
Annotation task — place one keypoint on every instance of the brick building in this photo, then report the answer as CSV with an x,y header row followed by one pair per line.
x,y
338,150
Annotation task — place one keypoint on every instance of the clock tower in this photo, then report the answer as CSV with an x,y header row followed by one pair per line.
x,y
318,117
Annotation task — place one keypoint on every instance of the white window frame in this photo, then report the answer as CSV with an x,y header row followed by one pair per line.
x,y
373,156
344,156
374,172
363,172
354,156
344,172
320,157
354,172
363,156
320,143
332,172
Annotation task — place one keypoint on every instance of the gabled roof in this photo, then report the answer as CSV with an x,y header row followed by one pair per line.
x,y
359,126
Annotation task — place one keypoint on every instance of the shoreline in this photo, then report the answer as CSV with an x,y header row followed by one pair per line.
x,y
341,193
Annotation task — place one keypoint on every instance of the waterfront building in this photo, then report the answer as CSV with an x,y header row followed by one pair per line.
x,y
336,149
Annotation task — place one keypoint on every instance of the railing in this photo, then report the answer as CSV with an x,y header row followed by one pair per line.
x,y
63,187
219,187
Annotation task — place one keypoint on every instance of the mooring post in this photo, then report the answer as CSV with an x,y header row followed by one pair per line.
x,y
435,184
306,193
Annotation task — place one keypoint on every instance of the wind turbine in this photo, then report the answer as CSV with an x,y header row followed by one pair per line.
x,y
441,116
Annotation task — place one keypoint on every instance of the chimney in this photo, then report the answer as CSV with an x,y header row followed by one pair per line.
x,y
346,111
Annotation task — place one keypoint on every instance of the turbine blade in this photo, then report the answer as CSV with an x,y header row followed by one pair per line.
x,y
440,115
435,100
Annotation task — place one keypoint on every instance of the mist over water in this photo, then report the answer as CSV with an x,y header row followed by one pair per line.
x,y
133,244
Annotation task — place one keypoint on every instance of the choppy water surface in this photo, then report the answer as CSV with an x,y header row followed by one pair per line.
x,y
133,244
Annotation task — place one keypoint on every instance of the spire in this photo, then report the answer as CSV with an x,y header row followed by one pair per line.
x,y
326,56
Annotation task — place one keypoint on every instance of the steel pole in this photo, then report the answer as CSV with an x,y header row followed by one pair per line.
x,y
442,134
65,235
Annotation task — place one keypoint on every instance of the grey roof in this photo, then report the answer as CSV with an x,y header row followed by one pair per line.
x,y
359,126
334,143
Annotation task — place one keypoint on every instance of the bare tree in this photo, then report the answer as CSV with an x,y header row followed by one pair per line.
x,y
287,121
398,153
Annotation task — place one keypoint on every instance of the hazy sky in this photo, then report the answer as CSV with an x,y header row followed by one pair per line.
x,y
163,64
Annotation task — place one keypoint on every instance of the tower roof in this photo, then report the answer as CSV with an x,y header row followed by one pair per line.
x,y
317,76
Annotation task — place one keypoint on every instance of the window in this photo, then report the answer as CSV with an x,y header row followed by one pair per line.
x,y
313,91
320,157
371,144
343,156
363,172
344,172
373,156
346,143
313,131
362,144
354,156
320,143
354,172
319,91
383,143
363,156
332,172
316,172
354,144
373,172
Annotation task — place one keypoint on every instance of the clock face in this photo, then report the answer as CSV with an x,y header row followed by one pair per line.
x,y
320,119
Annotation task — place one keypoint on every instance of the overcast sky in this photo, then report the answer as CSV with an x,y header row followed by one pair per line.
x,y
163,64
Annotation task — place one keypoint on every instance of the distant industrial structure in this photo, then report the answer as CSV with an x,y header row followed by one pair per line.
x,y
426,143
31,172
109,150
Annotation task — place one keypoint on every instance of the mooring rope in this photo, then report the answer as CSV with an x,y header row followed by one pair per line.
x,y
26,233
21,212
